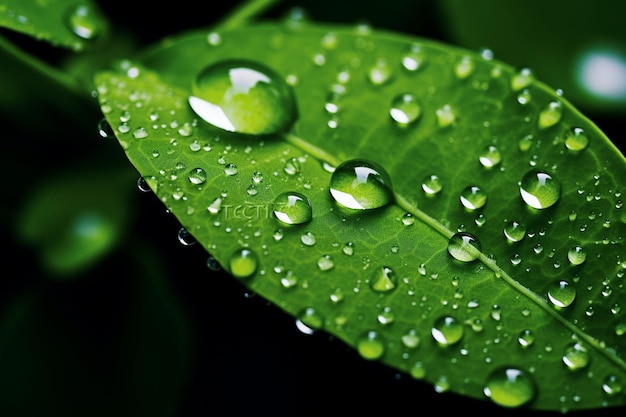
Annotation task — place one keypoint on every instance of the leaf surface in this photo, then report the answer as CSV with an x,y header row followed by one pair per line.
x,y
383,280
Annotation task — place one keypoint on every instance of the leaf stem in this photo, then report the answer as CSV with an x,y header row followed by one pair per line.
x,y
244,13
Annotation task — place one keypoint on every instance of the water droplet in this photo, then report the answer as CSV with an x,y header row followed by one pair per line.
x,y
510,387
446,116
408,219
197,176
292,208
465,67
576,356
370,345
576,255
105,130
561,293
384,279
84,22
411,339
447,330
612,385
386,316
431,185
325,263
361,185
414,58
539,189
514,231
245,97
526,338
243,263
348,249
185,238
380,73
576,139
405,109
473,198
308,239
309,320
551,115
490,156
522,79
231,169
464,247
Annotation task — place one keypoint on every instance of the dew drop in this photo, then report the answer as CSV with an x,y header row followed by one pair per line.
x,y
380,73
411,339
514,231
464,68
612,385
384,279
105,130
576,255
431,185
490,156
576,356
447,330
414,58
243,263
473,198
361,185
84,22
446,116
408,219
576,139
371,345
325,263
405,109
197,176
231,169
244,97
526,338
292,208
309,320
308,239
510,387
561,293
522,79
185,238
539,189
551,115
464,247
348,249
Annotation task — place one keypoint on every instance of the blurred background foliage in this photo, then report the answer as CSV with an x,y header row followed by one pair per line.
x,y
104,311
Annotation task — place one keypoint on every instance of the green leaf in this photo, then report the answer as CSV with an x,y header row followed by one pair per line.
x,y
543,304
63,23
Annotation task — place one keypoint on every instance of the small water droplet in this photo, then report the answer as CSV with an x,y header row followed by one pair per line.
x,y
405,109
84,21
292,208
243,263
473,198
576,255
539,189
197,176
309,320
576,139
464,247
185,238
411,339
325,263
380,73
384,279
408,219
446,116
550,115
231,169
464,67
414,58
576,356
526,338
490,156
308,239
514,231
348,249
431,184
522,79
245,97
510,387
447,330
371,345
561,293
361,185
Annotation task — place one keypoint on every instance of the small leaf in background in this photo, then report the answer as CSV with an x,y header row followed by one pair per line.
x,y
63,23
69,238
467,225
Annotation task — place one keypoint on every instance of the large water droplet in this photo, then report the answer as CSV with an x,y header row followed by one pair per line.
x,y
514,231
510,387
550,115
243,263
84,22
309,320
361,185
539,189
576,356
576,255
473,198
464,247
292,208
576,139
245,97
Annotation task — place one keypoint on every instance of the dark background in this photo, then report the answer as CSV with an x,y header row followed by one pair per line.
x,y
149,329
